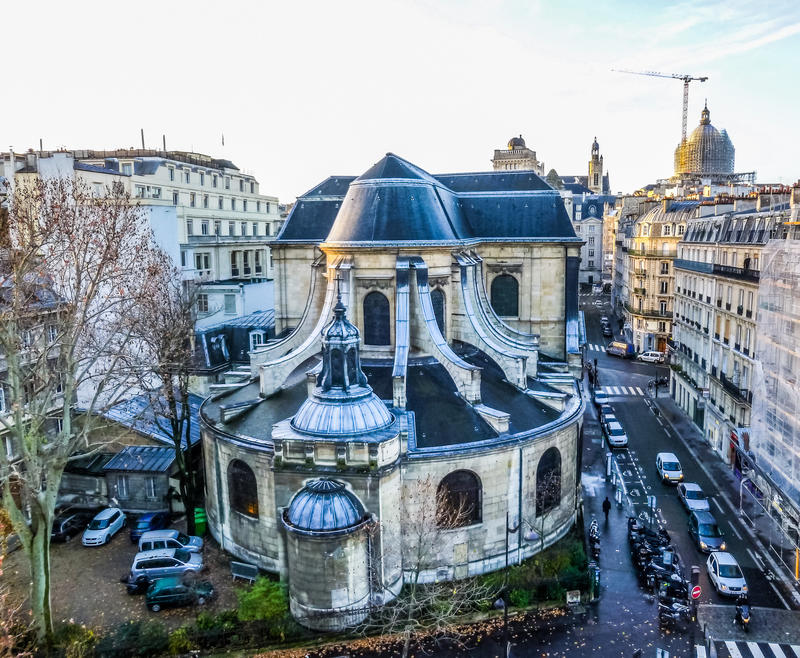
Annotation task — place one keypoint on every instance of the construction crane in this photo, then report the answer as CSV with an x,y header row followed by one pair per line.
x,y
677,76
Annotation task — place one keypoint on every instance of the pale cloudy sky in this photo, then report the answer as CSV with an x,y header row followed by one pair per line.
x,y
302,90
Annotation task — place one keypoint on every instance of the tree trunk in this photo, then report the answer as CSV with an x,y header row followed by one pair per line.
x,y
39,556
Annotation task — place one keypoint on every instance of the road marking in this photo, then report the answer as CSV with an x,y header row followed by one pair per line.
x,y
796,650
778,594
658,420
735,531
733,649
757,559
777,650
639,391
755,650
700,651
719,507
614,390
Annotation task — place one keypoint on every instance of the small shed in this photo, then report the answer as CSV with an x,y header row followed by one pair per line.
x,y
139,478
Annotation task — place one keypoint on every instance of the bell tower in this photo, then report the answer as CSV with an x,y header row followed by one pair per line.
x,y
595,180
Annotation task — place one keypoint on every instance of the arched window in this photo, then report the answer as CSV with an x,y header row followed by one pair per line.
x,y
242,489
458,500
337,367
548,481
437,298
505,296
376,319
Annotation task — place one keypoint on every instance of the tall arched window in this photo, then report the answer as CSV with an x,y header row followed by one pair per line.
x,y
376,319
242,489
437,298
505,296
548,481
458,500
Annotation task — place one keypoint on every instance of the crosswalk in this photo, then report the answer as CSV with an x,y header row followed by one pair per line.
x,y
745,649
592,347
621,390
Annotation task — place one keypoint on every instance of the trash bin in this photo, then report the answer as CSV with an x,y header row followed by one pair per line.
x,y
200,521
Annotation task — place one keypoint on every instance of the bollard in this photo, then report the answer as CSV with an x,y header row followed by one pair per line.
x,y
609,466
618,496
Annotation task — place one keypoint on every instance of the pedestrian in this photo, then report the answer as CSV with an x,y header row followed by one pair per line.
x,y
606,507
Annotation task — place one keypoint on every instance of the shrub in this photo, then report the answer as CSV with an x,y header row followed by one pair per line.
x,y
265,601
520,598
75,641
179,642
135,638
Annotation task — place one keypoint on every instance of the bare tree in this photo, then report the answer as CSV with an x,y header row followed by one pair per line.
x,y
75,268
429,605
547,500
164,326
13,628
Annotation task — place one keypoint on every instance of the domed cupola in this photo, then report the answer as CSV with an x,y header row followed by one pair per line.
x,y
324,505
706,151
342,404
516,143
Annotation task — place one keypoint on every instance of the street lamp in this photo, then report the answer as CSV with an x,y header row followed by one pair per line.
x,y
530,537
501,604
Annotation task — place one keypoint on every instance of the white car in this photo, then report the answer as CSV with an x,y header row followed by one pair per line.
x,y
652,357
693,498
104,526
725,574
615,435
668,467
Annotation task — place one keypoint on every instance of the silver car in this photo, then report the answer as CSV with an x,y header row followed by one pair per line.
x,y
165,562
725,574
693,498
169,538
104,526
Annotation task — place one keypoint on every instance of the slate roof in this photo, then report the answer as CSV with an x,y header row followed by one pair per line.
x,y
257,319
82,166
143,459
396,201
138,414
583,181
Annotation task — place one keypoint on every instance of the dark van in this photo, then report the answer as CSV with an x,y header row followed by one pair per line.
x,y
620,349
704,530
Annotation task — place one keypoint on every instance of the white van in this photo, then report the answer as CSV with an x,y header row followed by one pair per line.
x,y
652,357
169,538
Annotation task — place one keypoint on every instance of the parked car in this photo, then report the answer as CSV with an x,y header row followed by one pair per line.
x,y
668,467
607,331
725,574
615,435
652,357
67,525
146,522
600,397
606,413
165,562
169,538
104,526
620,349
705,532
167,592
692,497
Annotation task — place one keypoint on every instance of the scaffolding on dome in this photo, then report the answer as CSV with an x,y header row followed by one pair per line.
x,y
772,500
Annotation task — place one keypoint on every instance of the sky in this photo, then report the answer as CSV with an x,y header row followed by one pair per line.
x,y
305,90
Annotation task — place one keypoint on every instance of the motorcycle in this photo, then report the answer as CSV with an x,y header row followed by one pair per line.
x,y
743,613
671,614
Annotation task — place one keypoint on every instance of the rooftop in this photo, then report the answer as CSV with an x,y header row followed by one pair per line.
x,y
147,459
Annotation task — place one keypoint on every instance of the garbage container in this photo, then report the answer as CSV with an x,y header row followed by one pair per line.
x,y
200,521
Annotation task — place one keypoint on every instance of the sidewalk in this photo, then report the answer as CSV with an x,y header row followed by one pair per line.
x,y
767,624
727,482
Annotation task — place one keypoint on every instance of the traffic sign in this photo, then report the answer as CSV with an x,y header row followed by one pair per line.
x,y
696,592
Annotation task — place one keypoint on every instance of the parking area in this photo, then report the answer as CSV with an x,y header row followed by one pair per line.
x,y
86,587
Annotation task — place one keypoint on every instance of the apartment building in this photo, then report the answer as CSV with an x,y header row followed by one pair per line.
x,y
206,213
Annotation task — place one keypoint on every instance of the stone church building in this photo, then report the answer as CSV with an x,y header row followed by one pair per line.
x,y
427,350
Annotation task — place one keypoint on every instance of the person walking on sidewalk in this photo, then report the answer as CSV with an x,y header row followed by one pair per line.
x,y
606,507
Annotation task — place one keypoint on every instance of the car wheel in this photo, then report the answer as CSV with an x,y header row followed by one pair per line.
x,y
201,600
155,607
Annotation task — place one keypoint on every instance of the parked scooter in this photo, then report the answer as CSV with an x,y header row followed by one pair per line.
x,y
743,613
671,614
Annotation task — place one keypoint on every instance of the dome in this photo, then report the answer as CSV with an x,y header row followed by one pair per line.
x,y
516,143
396,201
707,151
324,505
337,413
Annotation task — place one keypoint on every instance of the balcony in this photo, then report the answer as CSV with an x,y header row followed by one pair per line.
x,y
653,253
737,273
640,272
227,239
693,266
640,291
742,395
648,312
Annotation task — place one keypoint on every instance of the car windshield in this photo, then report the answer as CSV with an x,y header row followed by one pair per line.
x,y
694,495
99,524
183,556
183,539
710,530
672,466
141,525
616,430
729,571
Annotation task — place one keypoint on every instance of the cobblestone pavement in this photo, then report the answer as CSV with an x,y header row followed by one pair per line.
x,y
86,586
